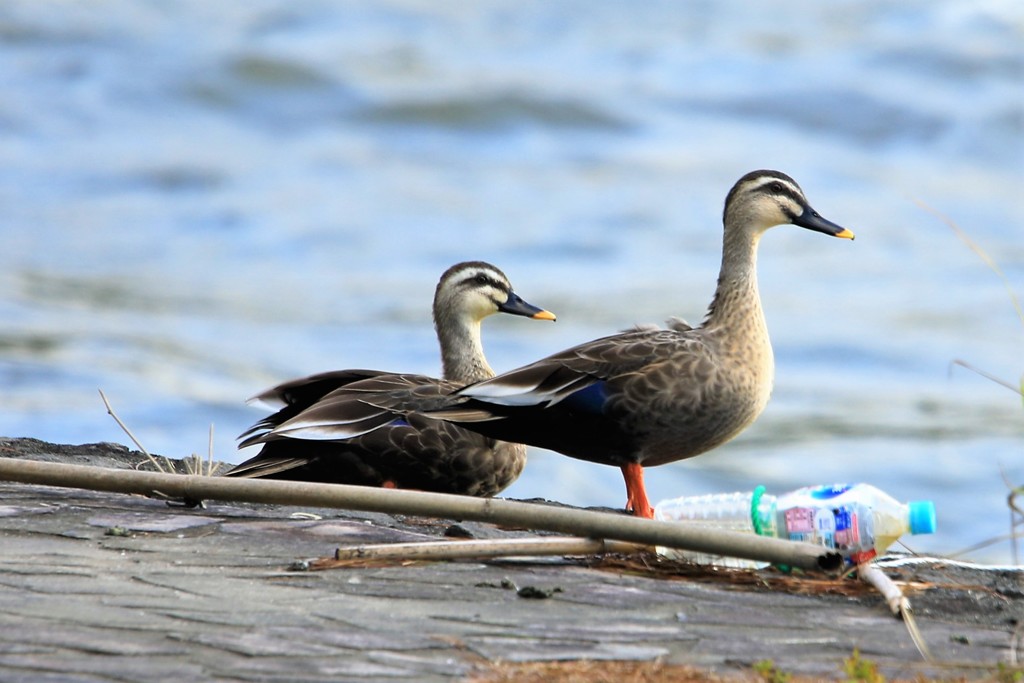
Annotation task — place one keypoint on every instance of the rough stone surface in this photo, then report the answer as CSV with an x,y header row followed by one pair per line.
x,y
98,587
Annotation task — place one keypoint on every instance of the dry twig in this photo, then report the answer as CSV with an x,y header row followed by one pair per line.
x,y
898,603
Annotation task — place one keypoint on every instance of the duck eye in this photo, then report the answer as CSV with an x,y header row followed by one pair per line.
x,y
777,187
480,279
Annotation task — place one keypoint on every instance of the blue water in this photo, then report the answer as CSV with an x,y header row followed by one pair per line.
x,y
198,200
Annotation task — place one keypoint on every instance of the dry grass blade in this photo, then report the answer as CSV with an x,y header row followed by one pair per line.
x,y
656,566
994,267
1016,516
990,377
209,454
138,444
982,254
194,463
1015,512
980,545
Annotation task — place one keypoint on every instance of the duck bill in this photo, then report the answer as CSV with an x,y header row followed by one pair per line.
x,y
517,306
812,220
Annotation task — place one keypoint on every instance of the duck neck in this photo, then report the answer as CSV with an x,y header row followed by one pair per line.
x,y
462,352
736,300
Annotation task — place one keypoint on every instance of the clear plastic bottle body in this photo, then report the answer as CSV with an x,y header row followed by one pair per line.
x,y
730,511
857,520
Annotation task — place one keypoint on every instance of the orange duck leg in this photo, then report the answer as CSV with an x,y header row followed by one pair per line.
x,y
636,494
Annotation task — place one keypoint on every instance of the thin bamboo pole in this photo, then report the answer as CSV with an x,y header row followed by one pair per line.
x,y
532,516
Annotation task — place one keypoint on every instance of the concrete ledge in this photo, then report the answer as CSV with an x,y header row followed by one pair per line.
x,y
109,587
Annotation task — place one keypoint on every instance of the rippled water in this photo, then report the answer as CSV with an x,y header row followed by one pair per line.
x,y
202,199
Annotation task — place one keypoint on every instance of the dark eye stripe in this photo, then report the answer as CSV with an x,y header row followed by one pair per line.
x,y
475,280
778,189
774,186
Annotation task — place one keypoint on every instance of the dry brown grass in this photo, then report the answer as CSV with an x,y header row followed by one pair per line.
x,y
853,670
588,671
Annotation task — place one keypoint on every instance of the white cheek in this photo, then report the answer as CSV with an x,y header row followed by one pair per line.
x,y
789,208
483,307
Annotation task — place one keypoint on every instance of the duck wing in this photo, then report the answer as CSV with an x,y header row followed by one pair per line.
x,y
354,407
368,432
292,397
596,401
605,363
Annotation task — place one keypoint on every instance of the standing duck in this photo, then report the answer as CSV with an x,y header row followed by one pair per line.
x,y
652,396
321,434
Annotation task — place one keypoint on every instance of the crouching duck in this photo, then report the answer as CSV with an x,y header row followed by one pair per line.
x,y
652,396
325,432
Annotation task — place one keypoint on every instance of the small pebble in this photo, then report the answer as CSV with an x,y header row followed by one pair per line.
x,y
458,531
534,593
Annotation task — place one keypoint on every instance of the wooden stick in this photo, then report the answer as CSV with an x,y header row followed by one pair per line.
x,y
505,547
898,603
511,513
873,576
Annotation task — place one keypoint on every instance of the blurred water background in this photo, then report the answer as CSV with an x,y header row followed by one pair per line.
x,y
198,200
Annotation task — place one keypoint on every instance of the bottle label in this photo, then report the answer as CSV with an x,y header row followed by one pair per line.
x,y
847,534
799,522
836,527
825,527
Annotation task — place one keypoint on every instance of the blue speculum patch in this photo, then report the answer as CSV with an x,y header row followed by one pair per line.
x,y
590,399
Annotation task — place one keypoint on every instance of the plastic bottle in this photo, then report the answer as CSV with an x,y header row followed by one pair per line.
x,y
858,520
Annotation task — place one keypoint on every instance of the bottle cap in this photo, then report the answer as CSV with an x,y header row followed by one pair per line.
x,y
922,516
